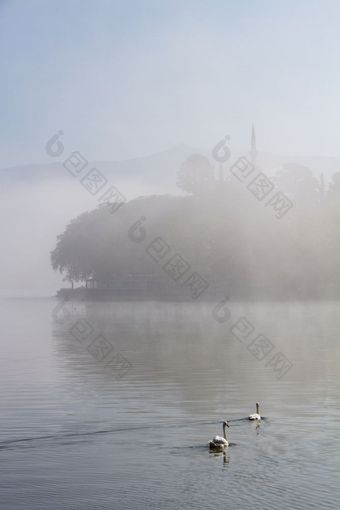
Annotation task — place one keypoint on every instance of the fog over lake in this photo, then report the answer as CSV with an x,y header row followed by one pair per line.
x,y
170,279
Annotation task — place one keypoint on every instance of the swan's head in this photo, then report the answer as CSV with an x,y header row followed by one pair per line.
x,y
257,407
225,424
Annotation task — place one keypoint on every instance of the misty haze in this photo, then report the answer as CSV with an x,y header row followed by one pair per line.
x,y
170,284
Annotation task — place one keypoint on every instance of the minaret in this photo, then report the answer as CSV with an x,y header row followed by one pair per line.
x,y
253,151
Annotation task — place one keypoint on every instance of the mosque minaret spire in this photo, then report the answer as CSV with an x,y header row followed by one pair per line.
x,y
253,150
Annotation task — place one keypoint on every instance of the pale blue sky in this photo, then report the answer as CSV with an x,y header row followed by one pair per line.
x,y
128,78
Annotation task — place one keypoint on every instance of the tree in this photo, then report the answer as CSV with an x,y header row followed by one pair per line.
x,y
195,174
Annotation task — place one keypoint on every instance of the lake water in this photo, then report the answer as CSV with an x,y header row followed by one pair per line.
x,y
111,406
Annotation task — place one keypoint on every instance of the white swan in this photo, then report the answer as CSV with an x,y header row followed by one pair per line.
x,y
219,443
255,416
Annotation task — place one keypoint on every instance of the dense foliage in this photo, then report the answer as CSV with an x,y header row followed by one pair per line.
x,y
226,235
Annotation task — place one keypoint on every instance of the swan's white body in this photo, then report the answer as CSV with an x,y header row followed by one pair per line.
x,y
255,416
220,440
219,443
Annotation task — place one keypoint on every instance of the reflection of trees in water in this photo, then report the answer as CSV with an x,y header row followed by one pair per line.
x,y
180,347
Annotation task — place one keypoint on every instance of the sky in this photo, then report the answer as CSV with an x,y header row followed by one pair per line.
x,y
124,79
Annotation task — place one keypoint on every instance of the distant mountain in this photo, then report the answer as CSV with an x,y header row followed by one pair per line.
x,y
159,171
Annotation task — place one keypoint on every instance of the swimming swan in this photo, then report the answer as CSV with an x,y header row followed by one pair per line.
x,y
219,443
255,416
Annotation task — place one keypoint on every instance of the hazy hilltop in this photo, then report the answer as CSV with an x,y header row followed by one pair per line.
x,y
158,171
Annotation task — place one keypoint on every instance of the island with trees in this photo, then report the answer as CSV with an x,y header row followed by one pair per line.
x,y
216,240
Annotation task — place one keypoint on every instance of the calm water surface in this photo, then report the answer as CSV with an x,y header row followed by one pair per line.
x,y
75,436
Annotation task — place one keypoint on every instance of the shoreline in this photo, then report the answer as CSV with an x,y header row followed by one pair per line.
x,y
126,295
